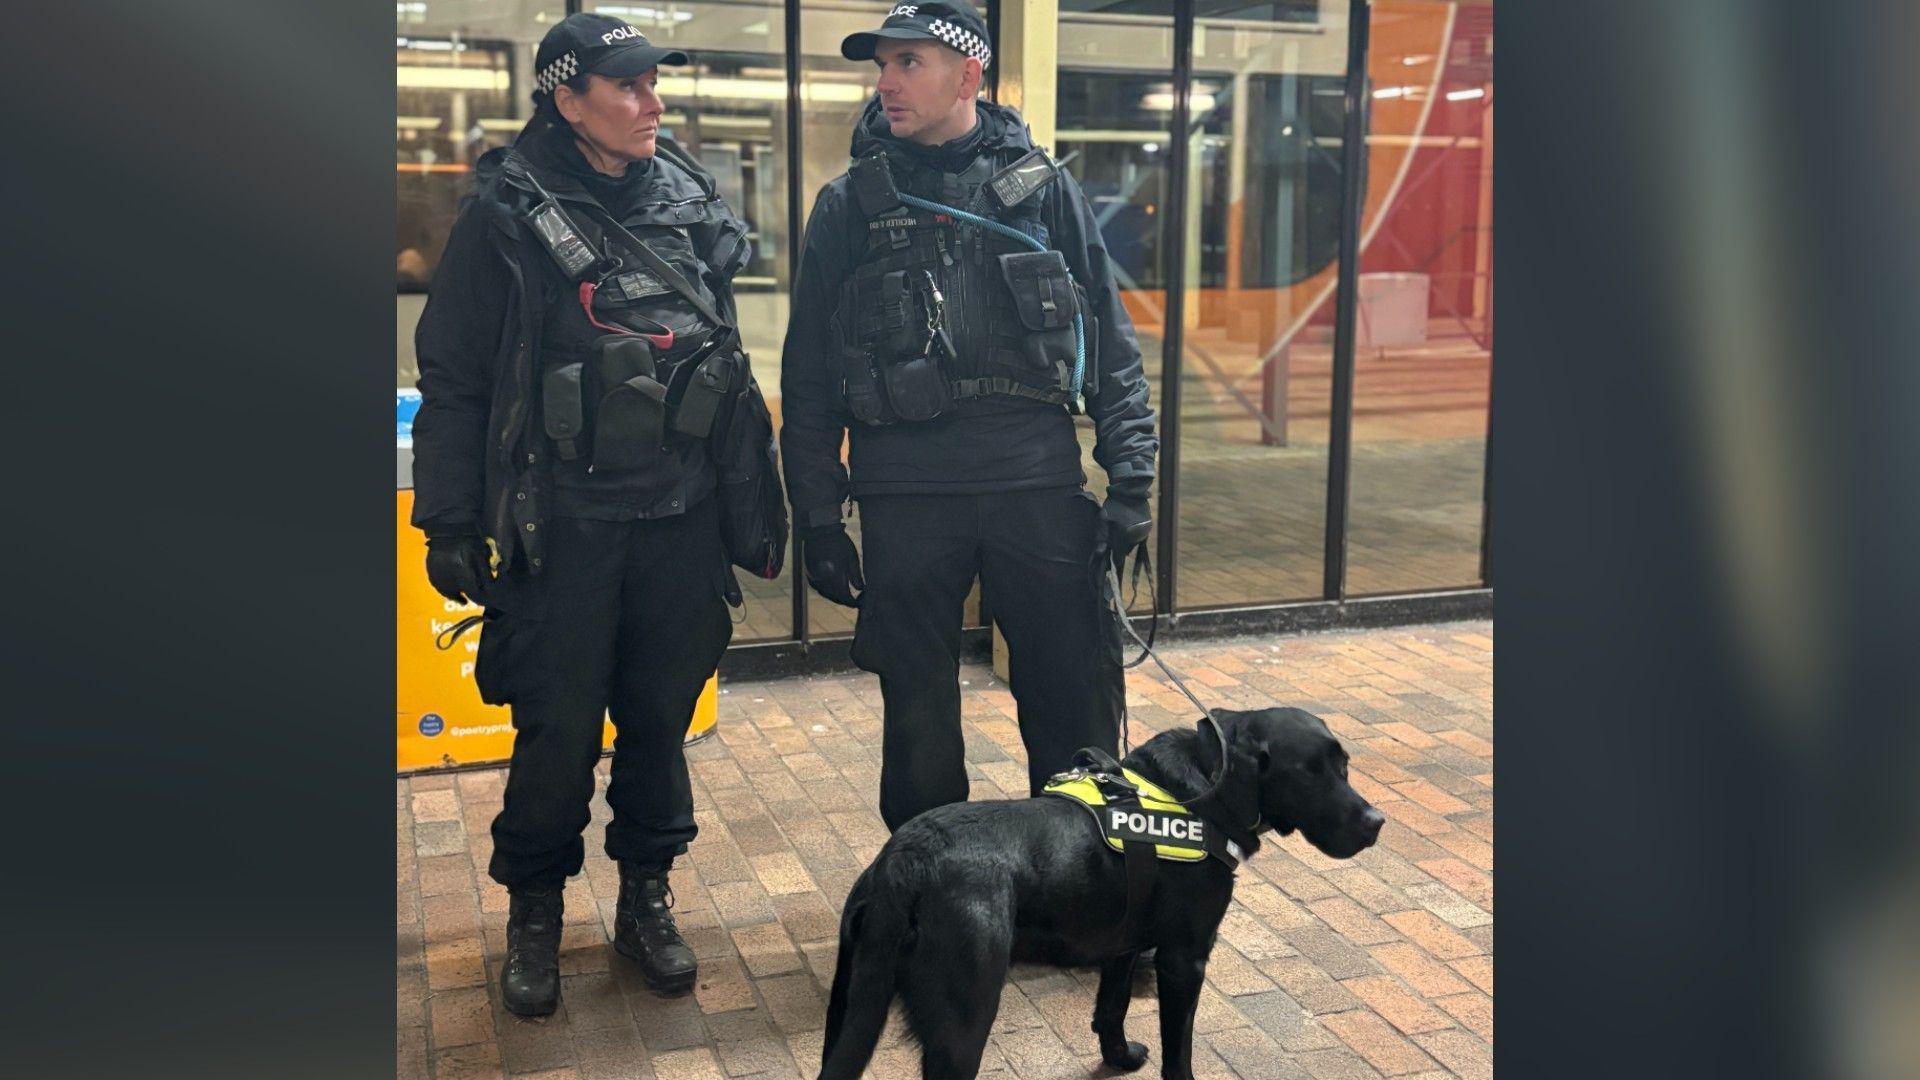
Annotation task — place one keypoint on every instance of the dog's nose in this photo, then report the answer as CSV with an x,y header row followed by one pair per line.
x,y
1372,820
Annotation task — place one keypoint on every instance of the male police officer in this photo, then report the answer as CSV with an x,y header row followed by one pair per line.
x,y
955,349
563,436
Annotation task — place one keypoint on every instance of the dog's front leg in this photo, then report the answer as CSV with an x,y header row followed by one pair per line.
x,y
1180,972
1110,1014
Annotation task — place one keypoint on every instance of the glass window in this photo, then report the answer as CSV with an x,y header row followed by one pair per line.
x,y
1424,322
464,76
1113,131
1261,262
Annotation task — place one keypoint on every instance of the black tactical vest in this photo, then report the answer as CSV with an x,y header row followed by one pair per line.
x,y
1008,309
598,379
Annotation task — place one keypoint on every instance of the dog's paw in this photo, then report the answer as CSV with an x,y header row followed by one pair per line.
x,y
1127,1060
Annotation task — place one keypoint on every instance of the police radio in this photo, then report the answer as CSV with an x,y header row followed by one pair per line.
x,y
572,252
1014,184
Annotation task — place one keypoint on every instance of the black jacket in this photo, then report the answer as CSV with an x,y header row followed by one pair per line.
x,y
481,457
996,444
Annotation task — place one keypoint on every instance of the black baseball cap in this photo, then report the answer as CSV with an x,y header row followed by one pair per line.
x,y
596,45
955,25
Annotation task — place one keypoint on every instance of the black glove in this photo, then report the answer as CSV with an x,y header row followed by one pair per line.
x,y
1125,525
833,564
458,566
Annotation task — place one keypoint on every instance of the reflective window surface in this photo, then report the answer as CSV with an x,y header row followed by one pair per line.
x,y
463,70
1424,329
1261,261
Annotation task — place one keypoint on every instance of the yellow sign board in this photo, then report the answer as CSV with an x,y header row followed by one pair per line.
x,y
439,718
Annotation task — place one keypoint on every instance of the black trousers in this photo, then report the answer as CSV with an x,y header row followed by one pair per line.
x,y
1034,554
628,619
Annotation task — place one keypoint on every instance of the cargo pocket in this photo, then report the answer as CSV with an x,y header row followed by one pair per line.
x,y
865,651
501,669
1043,296
1107,618
505,669
727,586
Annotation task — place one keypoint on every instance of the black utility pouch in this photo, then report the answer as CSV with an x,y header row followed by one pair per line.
x,y
706,388
918,389
630,420
562,412
1043,294
890,326
856,366
619,357
631,426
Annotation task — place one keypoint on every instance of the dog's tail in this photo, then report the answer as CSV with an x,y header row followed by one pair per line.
x,y
873,932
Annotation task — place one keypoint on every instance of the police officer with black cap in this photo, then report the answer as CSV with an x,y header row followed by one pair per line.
x,y
577,363
954,311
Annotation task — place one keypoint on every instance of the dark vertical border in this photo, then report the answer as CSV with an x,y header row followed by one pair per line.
x,y
1173,337
573,7
993,39
795,162
1353,163
1486,494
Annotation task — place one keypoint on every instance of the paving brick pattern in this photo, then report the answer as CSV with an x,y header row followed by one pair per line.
x,y
1376,966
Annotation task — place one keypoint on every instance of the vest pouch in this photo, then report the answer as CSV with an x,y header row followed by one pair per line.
x,y
706,389
1043,295
862,382
631,424
562,411
918,388
619,357
887,320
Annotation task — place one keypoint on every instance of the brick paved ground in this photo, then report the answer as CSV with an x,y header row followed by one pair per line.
x,y
1377,966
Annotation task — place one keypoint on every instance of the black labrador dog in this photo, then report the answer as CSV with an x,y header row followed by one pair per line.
x,y
963,891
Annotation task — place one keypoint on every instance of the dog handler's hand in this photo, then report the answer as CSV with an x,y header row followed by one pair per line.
x,y
833,564
458,566
1127,523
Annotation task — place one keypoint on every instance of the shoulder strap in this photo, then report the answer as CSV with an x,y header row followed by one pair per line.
x,y
659,266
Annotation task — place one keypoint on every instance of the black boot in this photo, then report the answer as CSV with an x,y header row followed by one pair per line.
x,y
643,929
530,985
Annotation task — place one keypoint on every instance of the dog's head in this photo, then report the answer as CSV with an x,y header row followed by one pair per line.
x,y
1302,779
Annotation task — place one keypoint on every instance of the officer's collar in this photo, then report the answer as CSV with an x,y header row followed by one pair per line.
x,y
954,155
556,154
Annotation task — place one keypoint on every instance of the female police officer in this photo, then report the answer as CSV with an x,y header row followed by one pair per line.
x,y
568,363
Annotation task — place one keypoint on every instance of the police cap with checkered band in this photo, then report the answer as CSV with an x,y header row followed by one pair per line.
x,y
955,25
596,45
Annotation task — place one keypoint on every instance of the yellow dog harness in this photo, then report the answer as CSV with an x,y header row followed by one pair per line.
x,y
1129,808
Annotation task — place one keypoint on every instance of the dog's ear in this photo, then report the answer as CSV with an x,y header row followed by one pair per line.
x,y
1251,742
